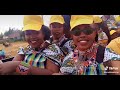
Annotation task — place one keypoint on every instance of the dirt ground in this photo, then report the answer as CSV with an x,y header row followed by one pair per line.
x,y
13,48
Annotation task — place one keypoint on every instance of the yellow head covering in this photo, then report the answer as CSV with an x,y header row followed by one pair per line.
x,y
112,32
80,19
117,19
32,22
115,45
97,19
57,19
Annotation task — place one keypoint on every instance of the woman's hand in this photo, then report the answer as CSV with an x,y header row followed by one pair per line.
x,y
8,67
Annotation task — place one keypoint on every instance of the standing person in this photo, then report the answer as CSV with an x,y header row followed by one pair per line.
x,y
87,57
35,59
58,37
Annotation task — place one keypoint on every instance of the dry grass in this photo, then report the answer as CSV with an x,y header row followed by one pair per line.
x,y
13,48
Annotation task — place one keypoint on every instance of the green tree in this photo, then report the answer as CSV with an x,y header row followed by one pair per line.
x,y
10,31
1,36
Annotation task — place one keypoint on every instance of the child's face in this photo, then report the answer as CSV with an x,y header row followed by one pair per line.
x,y
57,30
34,38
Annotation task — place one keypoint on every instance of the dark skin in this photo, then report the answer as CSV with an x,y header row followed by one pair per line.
x,y
113,66
83,41
67,26
88,40
57,30
114,35
67,31
35,39
106,30
110,63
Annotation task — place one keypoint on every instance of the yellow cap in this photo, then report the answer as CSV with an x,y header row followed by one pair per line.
x,y
80,19
114,45
32,22
112,32
57,19
117,19
97,19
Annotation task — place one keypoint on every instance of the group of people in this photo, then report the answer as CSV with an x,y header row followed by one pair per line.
x,y
81,46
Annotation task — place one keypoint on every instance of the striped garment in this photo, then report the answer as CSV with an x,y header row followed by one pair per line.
x,y
38,59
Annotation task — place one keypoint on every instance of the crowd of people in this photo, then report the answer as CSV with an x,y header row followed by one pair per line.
x,y
71,45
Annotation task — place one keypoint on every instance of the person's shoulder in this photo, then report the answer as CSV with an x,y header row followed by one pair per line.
x,y
53,48
109,50
68,40
70,43
68,57
53,53
24,50
111,55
